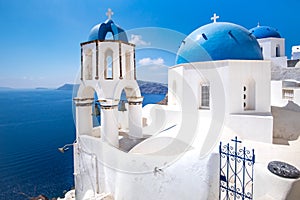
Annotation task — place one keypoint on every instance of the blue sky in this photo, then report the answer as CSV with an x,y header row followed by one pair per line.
x,y
40,38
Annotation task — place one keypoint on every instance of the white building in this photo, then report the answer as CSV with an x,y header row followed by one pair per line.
x,y
272,44
220,88
295,52
273,49
285,92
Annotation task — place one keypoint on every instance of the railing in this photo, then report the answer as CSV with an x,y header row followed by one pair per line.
x,y
236,171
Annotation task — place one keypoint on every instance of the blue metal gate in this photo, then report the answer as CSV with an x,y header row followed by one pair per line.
x,y
236,171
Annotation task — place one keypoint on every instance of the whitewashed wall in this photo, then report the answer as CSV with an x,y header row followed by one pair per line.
x,y
187,177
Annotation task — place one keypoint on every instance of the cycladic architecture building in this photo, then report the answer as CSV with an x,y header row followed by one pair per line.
x,y
272,44
220,87
273,49
296,53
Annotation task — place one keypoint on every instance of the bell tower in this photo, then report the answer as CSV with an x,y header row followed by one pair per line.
x,y
108,67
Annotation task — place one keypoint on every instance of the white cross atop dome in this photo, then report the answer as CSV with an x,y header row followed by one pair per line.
x,y
215,17
109,13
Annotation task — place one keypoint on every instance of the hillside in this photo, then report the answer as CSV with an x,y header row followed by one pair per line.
x,y
280,73
152,87
146,87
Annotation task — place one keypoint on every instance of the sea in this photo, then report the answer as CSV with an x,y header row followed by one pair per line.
x,y
33,125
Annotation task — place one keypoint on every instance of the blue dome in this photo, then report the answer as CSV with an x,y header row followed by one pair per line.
x,y
264,32
219,41
99,31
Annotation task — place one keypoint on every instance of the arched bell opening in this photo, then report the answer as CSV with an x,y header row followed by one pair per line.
x,y
88,112
129,110
123,114
96,110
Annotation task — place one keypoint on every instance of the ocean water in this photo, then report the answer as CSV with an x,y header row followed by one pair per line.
x,y
33,124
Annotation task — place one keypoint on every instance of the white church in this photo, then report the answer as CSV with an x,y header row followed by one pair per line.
x,y
220,87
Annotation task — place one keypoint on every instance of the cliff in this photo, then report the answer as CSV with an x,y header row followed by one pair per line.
x,y
145,87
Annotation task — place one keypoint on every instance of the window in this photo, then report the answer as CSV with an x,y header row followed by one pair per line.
x,y
108,71
245,97
277,51
288,94
249,95
205,95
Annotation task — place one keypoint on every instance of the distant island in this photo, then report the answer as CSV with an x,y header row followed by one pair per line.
x,y
67,86
5,88
146,87
41,88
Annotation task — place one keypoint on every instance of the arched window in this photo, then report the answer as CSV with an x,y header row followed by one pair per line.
x,y
109,36
108,64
